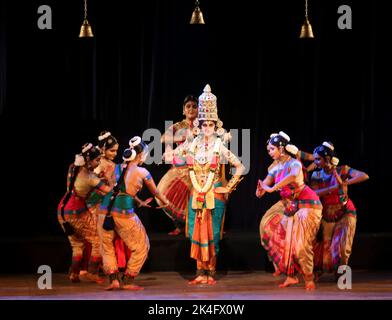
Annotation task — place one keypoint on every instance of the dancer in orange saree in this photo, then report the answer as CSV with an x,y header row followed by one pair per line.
x,y
79,224
120,209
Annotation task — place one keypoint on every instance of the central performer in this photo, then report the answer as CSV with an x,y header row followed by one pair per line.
x,y
205,154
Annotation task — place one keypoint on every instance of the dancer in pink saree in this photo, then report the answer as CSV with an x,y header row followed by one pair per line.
x,y
289,228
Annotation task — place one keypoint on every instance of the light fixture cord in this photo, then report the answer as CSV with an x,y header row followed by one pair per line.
x,y
197,3
306,9
85,9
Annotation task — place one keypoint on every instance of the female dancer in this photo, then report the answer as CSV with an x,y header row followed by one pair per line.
x,y
77,221
204,157
339,214
288,237
108,145
175,184
130,178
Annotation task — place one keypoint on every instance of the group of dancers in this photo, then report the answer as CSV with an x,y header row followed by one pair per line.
x,y
308,232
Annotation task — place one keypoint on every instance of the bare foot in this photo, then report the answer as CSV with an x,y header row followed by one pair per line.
x,y
132,287
289,281
175,232
93,278
310,285
113,286
74,277
82,272
199,280
211,280
276,273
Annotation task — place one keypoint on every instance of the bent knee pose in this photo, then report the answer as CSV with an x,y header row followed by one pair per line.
x,y
339,213
108,146
289,228
77,221
120,206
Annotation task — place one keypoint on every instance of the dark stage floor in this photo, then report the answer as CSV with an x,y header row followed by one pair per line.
x,y
256,285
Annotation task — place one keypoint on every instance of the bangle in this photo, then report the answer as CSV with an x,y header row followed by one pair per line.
x,y
234,181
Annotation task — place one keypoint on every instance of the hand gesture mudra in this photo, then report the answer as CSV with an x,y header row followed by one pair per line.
x,y
259,189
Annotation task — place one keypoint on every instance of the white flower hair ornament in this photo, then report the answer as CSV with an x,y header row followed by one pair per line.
x,y
334,161
132,144
292,149
132,155
274,137
79,160
87,148
104,136
284,135
328,145
135,141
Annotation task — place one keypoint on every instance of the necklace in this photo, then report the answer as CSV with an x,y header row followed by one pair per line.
x,y
213,166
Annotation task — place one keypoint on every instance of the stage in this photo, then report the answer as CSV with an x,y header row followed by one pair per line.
x,y
239,251
234,285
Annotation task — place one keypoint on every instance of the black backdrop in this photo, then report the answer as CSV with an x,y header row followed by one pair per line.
x,y
58,91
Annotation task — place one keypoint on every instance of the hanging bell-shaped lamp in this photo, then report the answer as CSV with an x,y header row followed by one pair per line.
x,y
197,15
85,29
306,29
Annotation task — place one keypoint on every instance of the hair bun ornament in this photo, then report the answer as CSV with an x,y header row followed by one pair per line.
x,y
131,156
87,147
220,132
104,136
273,135
284,135
196,131
135,141
328,145
334,161
292,149
79,160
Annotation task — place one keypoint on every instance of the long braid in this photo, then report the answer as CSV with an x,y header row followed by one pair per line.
x,y
108,223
